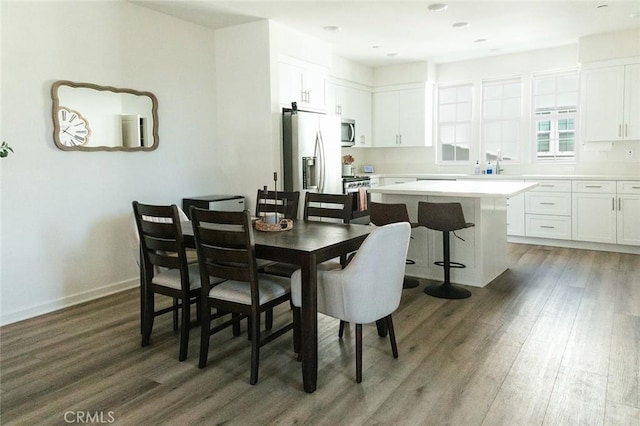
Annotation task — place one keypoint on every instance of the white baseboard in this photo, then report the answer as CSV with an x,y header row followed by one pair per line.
x,y
65,302
618,248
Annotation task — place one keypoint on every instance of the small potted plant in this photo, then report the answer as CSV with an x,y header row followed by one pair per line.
x,y
5,149
347,168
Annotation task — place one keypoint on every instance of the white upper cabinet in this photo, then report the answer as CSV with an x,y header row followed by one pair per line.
x,y
611,103
400,118
352,103
303,84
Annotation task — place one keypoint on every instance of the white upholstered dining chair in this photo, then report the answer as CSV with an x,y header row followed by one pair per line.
x,y
368,288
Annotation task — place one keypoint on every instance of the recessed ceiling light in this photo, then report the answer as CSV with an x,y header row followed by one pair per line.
x,y
480,40
332,28
375,47
437,7
602,6
461,25
392,54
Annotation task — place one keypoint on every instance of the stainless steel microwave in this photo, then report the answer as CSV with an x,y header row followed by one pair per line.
x,y
348,132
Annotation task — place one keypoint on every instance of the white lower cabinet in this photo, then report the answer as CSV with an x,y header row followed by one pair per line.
x,y
548,210
628,212
594,211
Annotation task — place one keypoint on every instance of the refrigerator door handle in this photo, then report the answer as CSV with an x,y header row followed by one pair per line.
x,y
321,161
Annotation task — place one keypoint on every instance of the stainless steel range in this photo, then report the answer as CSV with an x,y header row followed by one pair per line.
x,y
353,184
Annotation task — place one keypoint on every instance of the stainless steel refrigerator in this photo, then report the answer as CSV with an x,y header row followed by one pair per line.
x,y
311,152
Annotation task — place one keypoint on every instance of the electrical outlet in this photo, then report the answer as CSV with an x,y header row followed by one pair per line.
x,y
630,153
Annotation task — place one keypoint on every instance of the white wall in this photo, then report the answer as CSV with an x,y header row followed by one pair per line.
x,y
64,214
616,45
243,95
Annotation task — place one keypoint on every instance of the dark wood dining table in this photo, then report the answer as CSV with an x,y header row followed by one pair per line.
x,y
307,244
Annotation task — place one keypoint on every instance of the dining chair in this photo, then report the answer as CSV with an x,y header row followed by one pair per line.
x,y
334,207
134,247
368,289
165,269
226,250
284,203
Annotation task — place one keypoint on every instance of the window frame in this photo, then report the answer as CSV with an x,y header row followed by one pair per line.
x,y
555,115
516,121
469,123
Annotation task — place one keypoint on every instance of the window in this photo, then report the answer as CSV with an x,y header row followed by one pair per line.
x,y
555,115
501,119
454,123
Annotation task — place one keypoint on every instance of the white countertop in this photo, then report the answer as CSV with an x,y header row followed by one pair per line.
x,y
448,188
500,177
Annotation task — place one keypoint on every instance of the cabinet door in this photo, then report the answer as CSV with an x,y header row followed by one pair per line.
x,y
603,100
359,106
515,215
314,88
411,120
629,219
334,105
385,119
632,102
594,218
290,84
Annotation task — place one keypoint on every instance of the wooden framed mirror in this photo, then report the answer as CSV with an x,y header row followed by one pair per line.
x,y
89,117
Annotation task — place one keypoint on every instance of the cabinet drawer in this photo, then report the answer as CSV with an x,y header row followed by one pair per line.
x,y
548,203
628,187
594,186
394,180
546,226
551,186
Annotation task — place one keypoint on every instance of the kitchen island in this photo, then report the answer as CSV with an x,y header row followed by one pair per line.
x,y
484,249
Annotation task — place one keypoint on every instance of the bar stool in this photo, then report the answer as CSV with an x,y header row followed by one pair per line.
x,y
444,217
382,214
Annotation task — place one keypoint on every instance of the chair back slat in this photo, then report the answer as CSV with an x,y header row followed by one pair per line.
x,y
281,202
332,206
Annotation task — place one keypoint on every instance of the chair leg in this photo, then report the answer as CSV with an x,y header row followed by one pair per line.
x,y
297,332
358,353
392,337
142,298
197,302
268,319
255,347
381,325
175,313
236,324
148,316
205,327
184,328
341,331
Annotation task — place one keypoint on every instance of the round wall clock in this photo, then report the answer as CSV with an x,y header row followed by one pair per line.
x,y
74,128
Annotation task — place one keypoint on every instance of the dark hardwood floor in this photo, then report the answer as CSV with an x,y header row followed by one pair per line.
x,y
554,340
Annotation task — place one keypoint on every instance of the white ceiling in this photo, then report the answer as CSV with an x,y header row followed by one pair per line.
x,y
412,32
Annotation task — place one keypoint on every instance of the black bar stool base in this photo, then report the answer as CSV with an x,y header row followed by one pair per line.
x,y
410,283
447,291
